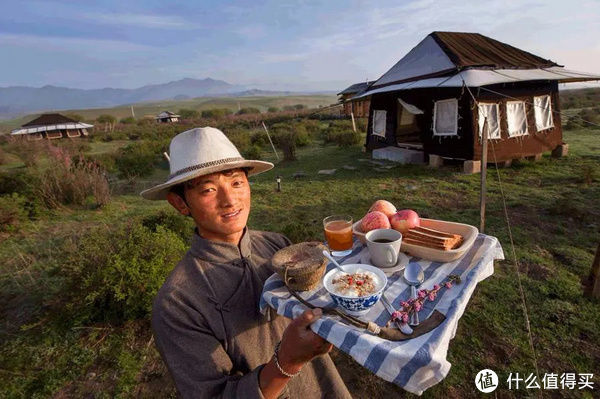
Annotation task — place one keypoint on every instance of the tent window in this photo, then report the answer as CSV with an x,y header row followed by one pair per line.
x,y
445,117
491,112
516,118
543,112
379,119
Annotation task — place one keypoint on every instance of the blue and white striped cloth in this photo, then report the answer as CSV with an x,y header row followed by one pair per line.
x,y
416,364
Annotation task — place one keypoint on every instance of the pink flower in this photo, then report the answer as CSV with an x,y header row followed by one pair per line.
x,y
396,315
418,306
405,317
404,304
422,293
436,287
448,284
432,296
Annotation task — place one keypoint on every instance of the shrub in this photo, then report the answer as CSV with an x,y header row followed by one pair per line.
x,y
284,137
136,160
240,138
248,110
188,113
259,138
341,133
114,275
12,211
130,120
253,152
178,224
30,152
69,180
216,113
273,109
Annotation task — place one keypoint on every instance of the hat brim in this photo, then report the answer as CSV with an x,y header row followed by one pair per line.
x,y
160,191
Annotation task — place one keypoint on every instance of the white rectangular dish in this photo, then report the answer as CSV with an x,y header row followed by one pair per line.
x,y
468,232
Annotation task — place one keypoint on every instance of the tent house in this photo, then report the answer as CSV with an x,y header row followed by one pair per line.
x,y
52,126
437,98
167,117
360,106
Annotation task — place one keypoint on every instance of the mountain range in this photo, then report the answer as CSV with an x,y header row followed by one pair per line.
x,y
17,100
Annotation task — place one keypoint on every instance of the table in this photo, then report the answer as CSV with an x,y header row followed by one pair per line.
x,y
415,364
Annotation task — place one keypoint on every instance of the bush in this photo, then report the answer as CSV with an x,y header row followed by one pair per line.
x,y
136,160
253,152
185,113
240,138
284,137
216,113
113,276
342,134
12,211
178,224
248,110
273,109
69,180
130,120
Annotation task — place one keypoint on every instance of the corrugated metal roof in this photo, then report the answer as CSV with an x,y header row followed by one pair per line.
x,y
476,50
356,88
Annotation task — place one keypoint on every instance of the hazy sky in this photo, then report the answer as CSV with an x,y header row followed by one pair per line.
x,y
296,45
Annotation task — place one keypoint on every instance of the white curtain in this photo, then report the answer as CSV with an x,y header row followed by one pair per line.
x,y
445,117
516,118
543,112
491,112
379,118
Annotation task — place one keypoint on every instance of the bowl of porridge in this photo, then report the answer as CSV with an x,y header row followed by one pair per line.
x,y
356,289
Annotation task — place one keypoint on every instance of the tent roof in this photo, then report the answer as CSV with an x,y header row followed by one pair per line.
x,y
48,128
442,53
485,77
166,114
356,88
49,119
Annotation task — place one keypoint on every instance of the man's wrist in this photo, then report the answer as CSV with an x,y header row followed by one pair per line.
x,y
284,366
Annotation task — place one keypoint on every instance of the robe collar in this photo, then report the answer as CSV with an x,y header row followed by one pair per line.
x,y
221,252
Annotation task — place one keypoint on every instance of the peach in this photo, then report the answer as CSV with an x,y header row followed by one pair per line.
x,y
383,206
405,220
374,220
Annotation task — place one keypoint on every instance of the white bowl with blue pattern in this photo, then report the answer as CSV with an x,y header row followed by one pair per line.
x,y
355,306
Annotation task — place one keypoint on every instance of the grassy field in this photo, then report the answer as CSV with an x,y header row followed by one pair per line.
x,y
553,208
151,109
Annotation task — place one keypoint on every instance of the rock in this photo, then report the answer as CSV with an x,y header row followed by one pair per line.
x,y
299,174
348,167
327,171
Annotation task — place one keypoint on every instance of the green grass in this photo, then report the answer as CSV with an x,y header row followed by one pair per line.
x,y
553,209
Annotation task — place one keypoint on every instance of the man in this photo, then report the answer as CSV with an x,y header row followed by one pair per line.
x,y
206,321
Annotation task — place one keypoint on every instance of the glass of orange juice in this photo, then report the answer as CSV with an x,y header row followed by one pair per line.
x,y
338,232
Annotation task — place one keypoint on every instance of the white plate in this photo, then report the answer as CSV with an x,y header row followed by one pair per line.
x,y
468,232
365,259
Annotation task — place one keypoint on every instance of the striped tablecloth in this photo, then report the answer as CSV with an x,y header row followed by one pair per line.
x,y
416,364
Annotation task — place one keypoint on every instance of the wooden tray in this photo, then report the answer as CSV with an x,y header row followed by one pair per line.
x,y
468,232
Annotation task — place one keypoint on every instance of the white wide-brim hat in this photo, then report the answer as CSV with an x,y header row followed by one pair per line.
x,y
200,152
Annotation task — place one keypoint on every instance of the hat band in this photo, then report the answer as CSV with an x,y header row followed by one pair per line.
x,y
205,165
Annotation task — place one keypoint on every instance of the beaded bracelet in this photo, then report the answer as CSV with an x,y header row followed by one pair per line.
x,y
281,370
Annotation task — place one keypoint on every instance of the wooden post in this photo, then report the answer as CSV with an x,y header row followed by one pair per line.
x,y
484,139
270,141
593,289
353,123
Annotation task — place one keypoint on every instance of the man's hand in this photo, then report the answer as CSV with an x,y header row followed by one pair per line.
x,y
299,344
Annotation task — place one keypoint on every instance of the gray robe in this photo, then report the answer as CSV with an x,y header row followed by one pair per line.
x,y
210,333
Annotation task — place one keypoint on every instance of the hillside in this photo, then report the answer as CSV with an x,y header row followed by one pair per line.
x,y
19,99
152,108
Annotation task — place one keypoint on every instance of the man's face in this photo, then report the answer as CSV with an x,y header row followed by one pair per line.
x,y
219,204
